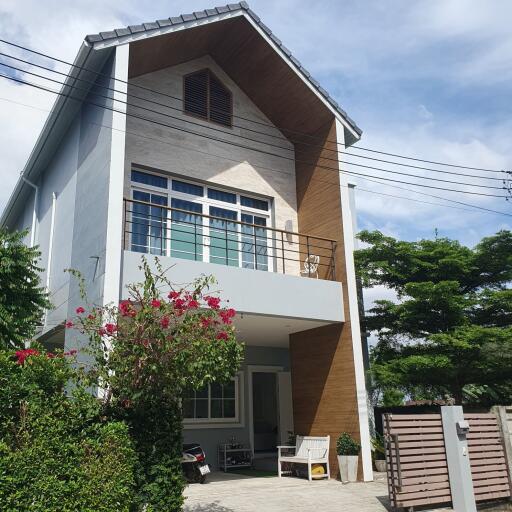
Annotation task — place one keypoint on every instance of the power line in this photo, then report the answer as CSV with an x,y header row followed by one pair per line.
x,y
471,207
245,118
241,145
248,138
258,142
413,200
438,197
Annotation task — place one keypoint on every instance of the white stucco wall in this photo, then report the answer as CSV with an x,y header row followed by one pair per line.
x,y
191,155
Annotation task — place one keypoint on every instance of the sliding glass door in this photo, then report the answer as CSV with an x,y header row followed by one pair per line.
x,y
186,229
254,242
149,223
223,237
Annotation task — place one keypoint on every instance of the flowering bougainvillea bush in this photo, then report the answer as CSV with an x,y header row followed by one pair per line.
x,y
146,351
57,450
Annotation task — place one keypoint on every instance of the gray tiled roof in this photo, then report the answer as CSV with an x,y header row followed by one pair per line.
x,y
207,13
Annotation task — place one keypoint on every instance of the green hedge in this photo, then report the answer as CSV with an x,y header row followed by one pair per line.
x,y
56,452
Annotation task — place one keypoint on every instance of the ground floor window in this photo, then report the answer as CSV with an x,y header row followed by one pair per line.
x,y
216,403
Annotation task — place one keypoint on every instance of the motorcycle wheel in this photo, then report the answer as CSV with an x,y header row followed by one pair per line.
x,y
199,478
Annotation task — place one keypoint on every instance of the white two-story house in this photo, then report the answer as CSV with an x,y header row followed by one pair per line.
x,y
200,139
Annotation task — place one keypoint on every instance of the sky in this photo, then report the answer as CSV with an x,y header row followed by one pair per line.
x,y
426,78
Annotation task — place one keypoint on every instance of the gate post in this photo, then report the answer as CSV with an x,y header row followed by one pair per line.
x,y
455,429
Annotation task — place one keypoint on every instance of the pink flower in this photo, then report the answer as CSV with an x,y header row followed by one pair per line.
x,y
222,335
193,304
21,355
72,352
179,303
102,331
213,302
173,295
205,322
227,315
50,355
90,317
110,328
68,324
164,322
80,310
155,303
126,308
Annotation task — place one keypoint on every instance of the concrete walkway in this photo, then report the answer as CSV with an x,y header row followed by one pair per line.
x,y
235,493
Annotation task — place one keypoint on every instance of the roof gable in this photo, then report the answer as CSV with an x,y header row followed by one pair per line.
x,y
135,33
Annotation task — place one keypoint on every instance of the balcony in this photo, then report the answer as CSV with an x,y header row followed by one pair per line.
x,y
173,232
265,272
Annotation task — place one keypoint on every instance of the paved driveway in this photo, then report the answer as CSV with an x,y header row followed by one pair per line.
x,y
234,493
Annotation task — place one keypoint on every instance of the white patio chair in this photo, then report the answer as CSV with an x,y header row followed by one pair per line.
x,y
311,266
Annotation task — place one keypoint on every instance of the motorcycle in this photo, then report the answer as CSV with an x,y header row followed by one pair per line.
x,y
193,463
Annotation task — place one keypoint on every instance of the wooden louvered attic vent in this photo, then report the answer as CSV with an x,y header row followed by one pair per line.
x,y
206,96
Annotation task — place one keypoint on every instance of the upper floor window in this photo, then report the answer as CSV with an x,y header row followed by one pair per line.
x,y
206,96
185,219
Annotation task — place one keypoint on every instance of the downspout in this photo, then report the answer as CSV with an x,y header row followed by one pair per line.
x,y
34,212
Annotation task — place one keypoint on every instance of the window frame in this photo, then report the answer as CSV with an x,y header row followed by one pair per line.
x,y
206,202
237,421
208,118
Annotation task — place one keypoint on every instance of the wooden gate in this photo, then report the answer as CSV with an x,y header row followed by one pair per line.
x,y
417,468
487,457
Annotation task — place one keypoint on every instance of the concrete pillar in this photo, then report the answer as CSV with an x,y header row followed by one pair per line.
x,y
455,429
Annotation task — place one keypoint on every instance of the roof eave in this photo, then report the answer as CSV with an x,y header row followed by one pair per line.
x,y
185,21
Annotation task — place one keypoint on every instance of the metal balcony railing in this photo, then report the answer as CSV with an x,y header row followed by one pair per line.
x,y
165,231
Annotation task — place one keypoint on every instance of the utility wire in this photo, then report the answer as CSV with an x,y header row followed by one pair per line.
x,y
312,137
241,145
262,142
471,207
266,135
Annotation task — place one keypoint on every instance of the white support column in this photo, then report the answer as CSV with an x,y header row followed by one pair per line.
x,y
348,244
113,253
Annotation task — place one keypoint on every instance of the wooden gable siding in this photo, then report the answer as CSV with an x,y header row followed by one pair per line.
x,y
322,362
248,60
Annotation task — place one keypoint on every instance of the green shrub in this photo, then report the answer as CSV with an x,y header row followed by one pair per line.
x,y
347,445
56,452
147,352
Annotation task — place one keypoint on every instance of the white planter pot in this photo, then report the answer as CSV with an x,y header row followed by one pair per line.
x,y
380,466
348,467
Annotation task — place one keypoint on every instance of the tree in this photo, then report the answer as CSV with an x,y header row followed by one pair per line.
x,y
22,298
450,330
147,351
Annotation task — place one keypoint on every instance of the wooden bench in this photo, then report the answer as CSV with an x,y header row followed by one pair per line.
x,y
307,450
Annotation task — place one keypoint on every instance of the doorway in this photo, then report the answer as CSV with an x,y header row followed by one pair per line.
x,y
270,408
265,416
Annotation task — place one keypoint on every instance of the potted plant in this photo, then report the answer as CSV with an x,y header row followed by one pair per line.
x,y
379,453
348,454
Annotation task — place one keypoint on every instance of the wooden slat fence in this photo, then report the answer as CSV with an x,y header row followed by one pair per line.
x,y
416,460
487,457
417,469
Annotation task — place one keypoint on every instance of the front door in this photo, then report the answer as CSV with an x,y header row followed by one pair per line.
x,y
265,411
